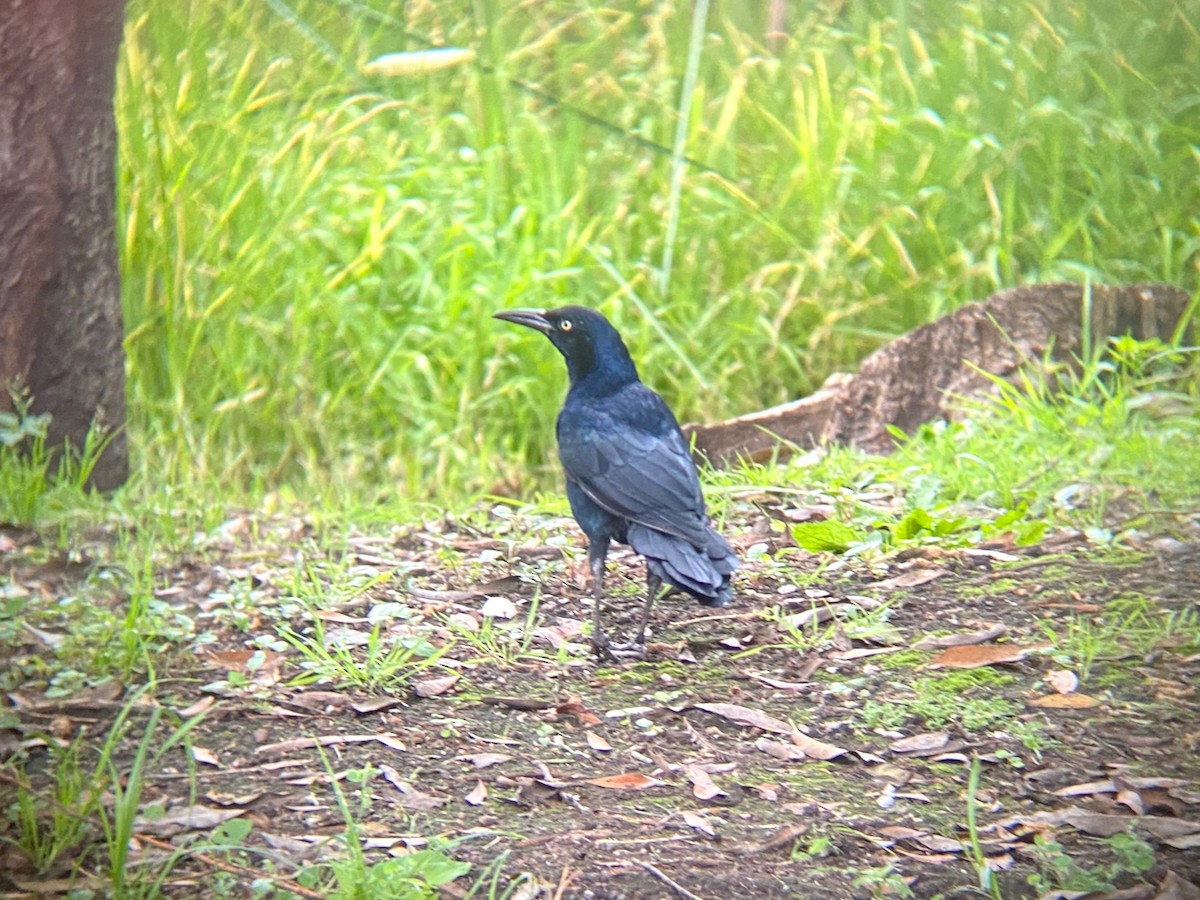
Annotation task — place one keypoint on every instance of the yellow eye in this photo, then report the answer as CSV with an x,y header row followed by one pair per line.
x,y
565,325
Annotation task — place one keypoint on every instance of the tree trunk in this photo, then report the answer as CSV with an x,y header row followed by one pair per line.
x,y
60,304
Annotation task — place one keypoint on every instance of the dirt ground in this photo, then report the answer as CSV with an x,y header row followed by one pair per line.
x,y
796,744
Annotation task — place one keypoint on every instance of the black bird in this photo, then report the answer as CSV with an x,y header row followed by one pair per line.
x,y
630,477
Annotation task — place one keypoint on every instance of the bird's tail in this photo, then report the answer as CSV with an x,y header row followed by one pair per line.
x,y
701,571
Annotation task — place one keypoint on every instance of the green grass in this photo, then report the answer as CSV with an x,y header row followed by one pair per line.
x,y
311,256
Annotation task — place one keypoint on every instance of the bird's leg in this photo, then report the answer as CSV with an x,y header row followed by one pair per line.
x,y
653,586
596,554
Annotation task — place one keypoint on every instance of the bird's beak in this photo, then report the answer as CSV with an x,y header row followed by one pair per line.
x,y
530,318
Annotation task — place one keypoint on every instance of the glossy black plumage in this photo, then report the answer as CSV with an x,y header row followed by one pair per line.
x,y
630,477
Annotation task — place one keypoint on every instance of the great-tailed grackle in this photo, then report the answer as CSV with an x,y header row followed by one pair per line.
x,y
630,477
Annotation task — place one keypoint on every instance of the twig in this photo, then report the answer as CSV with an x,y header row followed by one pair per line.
x,y
678,888
564,882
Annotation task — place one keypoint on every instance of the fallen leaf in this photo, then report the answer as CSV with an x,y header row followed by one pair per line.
x,y
499,608
699,822
598,743
1065,701
901,832
532,791
976,656
628,781
483,760
410,797
324,701
1063,681
932,740
1172,887
528,704
780,750
477,796
573,706
814,748
338,618
196,708
911,578
435,687
703,787
768,791
744,715
373,704
329,740
224,799
1106,825
862,652
939,844
1133,801
962,639
1088,787
204,755
186,818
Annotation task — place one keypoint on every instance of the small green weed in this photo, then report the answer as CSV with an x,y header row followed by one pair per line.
x,y
1058,871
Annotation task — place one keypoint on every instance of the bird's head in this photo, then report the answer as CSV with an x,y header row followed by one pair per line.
x,y
591,346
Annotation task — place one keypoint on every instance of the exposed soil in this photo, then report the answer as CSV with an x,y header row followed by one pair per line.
x,y
502,760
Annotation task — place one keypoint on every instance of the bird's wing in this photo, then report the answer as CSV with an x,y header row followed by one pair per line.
x,y
636,473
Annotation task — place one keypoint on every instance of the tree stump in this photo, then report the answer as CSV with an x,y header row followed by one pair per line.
x,y
917,377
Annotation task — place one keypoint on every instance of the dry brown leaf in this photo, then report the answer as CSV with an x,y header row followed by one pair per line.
x,y
598,743
435,687
976,656
478,795
699,822
901,832
703,787
329,740
1065,701
204,755
932,740
1088,787
1133,801
339,618
373,704
627,781
962,639
196,708
780,750
911,578
483,760
1172,887
814,748
862,652
798,686
744,715
325,701
1184,841
186,818
769,791
573,706
1063,680
939,844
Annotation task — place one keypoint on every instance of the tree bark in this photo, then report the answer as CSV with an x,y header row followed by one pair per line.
x,y
60,304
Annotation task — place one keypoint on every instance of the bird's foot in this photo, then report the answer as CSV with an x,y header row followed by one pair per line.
x,y
628,650
608,651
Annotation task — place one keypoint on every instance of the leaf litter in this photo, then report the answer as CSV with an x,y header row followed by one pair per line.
x,y
763,747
